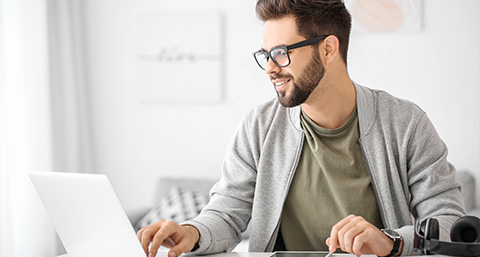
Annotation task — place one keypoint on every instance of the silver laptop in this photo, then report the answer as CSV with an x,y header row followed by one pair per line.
x,y
87,214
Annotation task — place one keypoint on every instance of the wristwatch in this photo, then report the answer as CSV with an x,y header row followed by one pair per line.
x,y
397,240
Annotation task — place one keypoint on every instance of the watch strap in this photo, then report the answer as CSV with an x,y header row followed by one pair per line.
x,y
397,240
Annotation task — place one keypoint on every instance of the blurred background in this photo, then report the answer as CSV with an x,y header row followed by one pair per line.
x,y
144,89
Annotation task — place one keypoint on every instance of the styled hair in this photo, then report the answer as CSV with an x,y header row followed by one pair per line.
x,y
313,17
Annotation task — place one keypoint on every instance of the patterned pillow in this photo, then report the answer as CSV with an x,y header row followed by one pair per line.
x,y
177,205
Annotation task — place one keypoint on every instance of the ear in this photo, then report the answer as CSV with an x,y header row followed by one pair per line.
x,y
330,48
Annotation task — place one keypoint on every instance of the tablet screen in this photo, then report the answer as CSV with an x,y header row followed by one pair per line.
x,y
301,254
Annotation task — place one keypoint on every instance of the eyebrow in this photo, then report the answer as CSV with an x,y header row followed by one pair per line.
x,y
263,49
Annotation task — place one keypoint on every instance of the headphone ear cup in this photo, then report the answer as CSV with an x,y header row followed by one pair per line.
x,y
432,229
466,229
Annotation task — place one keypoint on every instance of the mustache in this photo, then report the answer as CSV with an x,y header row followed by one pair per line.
x,y
281,76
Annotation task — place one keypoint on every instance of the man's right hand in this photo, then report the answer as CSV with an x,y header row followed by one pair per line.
x,y
179,238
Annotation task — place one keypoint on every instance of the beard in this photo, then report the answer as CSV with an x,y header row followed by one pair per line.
x,y
307,82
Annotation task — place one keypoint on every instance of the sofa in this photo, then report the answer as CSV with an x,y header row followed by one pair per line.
x,y
469,192
175,193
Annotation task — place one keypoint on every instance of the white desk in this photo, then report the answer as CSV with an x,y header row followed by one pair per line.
x,y
249,254
229,254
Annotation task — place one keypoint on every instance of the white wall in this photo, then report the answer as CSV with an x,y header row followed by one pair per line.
x,y
135,143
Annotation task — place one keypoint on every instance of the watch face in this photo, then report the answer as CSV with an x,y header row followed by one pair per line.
x,y
392,233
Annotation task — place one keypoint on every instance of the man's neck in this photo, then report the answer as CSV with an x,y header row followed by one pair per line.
x,y
331,104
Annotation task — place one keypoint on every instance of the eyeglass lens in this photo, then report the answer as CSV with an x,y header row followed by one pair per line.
x,y
279,56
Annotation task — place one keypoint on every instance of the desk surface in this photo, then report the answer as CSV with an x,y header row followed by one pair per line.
x,y
234,254
249,254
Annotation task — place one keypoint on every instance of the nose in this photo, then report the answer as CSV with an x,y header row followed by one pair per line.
x,y
271,67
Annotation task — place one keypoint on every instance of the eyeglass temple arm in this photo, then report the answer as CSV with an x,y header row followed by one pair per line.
x,y
307,42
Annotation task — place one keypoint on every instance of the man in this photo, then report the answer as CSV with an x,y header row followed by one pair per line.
x,y
326,165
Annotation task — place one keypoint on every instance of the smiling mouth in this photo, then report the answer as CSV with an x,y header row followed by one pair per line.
x,y
280,84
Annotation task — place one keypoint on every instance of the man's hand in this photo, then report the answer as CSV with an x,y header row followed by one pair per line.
x,y
179,239
357,236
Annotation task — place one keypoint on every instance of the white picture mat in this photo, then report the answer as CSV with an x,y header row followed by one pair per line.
x,y
180,56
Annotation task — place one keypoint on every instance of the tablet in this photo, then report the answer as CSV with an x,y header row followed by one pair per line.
x,y
301,254
314,254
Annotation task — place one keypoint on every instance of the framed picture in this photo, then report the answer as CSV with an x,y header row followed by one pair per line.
x,y
180,57
385,15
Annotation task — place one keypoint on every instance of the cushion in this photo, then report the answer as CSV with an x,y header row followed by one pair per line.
x,y
177,205
468,189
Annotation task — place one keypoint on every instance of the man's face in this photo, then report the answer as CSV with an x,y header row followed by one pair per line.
x,y
293,83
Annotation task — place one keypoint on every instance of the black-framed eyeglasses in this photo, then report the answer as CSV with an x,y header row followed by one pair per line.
x,y
279,54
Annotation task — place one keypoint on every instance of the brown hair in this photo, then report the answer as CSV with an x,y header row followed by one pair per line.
x,y
313,17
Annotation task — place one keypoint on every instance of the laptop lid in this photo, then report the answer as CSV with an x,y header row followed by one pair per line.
x,y
87,214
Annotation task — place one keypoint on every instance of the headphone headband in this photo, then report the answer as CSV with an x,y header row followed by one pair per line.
x,y
427,234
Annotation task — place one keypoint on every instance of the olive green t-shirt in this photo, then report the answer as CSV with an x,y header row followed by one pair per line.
x,y
331,182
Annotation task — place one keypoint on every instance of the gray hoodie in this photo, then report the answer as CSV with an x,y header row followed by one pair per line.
x,y
405,158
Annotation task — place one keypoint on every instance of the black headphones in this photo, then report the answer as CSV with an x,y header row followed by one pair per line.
x,y
465,236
